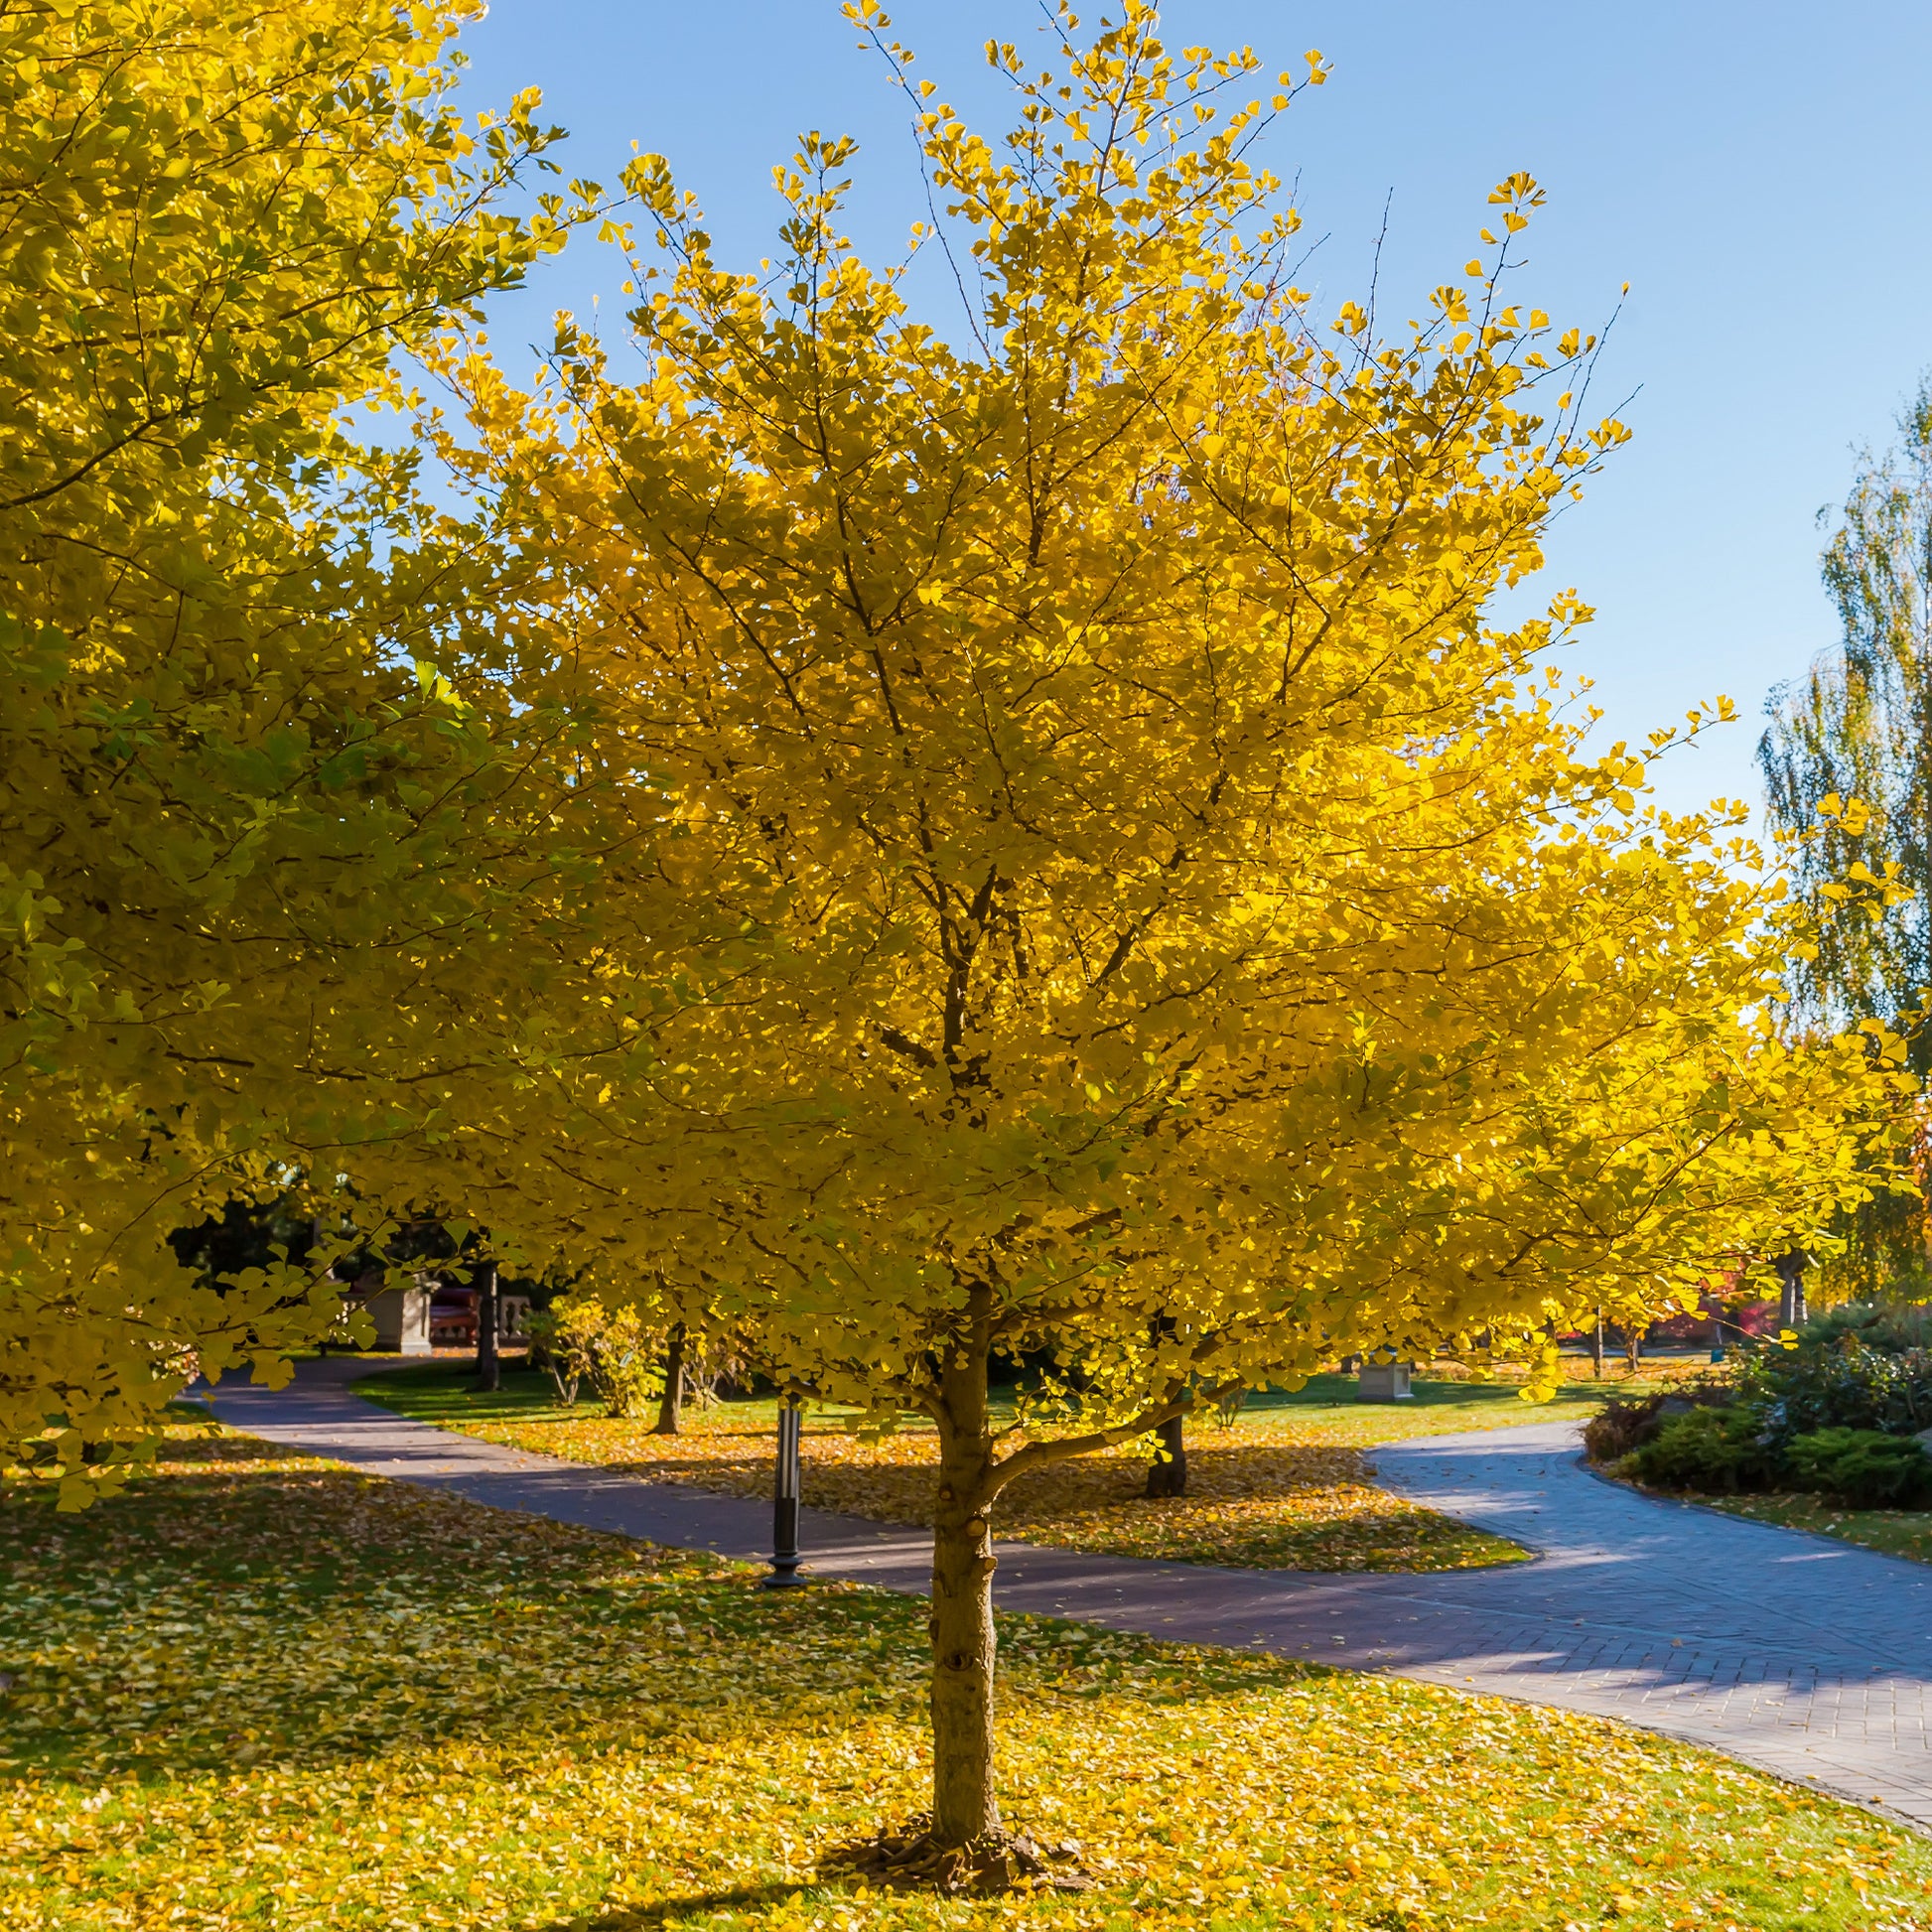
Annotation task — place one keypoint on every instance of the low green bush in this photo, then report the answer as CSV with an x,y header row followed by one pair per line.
x,y
1862,1468
1717,1451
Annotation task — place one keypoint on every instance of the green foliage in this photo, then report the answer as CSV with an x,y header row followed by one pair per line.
x,y
1628,1422
1887,1326
1848,770
1836,1414
1719,1451
1864,1467
1843,1384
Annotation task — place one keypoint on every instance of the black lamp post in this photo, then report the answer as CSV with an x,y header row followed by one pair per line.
x,y
784,1501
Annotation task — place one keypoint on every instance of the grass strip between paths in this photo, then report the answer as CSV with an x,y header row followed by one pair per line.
x,y
1287,1487
1891,1532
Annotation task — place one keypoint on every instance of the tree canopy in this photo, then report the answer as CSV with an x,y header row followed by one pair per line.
x,y
1102,883
1848,754
1847,760
910,847
221,771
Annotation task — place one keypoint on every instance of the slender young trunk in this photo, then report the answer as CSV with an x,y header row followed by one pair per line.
x,y
1168,1476
1597,1347
964,1806
670,1411
1791,1290
488,1367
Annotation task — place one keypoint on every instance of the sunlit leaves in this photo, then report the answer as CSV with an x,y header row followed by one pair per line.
x,y
218,781
1136,907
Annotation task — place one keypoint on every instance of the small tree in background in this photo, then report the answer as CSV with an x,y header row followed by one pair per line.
x,y
1848,772
612,1344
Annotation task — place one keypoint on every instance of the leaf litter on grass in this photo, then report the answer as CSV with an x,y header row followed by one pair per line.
x,y
258,1692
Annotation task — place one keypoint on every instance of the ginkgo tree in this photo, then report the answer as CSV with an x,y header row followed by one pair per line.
x,y
232,815
1137,906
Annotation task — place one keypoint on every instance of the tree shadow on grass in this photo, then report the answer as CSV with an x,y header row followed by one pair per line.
x,y
349,1621
341,1618
672,1912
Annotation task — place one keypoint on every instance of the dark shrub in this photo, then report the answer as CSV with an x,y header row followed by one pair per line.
x,y
1623,1424
1840,1385
1717,1451
1892,1331
1862,1468
1619,1427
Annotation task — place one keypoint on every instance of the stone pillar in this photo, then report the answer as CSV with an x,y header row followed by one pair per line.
x,y
401,1318
1384,1382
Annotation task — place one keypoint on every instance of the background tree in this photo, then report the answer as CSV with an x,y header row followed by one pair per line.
x,y
1847,775
1154,915
221,775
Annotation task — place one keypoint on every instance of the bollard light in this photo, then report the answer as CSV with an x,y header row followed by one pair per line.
x,y
784,1500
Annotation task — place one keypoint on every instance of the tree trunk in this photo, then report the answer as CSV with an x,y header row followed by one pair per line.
x,y
1791,1290
964,1806
1168,1476
670,1411
483,1278
1597,1347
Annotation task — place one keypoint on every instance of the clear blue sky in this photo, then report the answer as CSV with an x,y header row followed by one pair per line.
x,y
1759,174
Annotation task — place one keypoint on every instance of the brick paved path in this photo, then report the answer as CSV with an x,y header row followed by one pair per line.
x,y
1808,1658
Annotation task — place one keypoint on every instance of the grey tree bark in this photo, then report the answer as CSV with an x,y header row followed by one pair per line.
x,y
1792,1313
670,1409
964,1646
965,1807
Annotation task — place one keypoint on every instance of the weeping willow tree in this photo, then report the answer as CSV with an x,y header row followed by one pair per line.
x,y
1848,774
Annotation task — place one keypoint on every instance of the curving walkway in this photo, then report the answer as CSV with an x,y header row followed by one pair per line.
x,y
1807,1658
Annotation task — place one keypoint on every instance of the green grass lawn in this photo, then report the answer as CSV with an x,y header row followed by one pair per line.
x,y
1272,1492
258,1692
1893,1532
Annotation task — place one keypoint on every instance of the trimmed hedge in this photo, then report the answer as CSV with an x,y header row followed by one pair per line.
x,y
1721,1452
1717,1451
1862,1468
